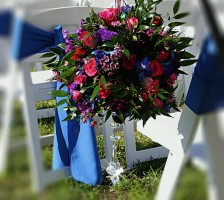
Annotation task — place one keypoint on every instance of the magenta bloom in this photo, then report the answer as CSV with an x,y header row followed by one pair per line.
x,y
80,79
76,95
131,22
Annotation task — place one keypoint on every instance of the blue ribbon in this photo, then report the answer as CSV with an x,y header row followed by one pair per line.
x,y
74,143
5,22
206,91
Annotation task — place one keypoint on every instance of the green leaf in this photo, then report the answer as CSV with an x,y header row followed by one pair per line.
x,y
181,15
120,115
103,80
68,56
108,114
186,55
126,53
95,91
144,27
161,96
61,102
57,51
181,72
58,93
66,73
46,55
176,7
51,65
174,24
62,45
108,44
132,88
187,62
51,60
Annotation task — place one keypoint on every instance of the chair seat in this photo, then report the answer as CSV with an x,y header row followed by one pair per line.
x,y
163,130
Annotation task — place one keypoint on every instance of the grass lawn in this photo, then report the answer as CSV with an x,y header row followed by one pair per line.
x,y
140,183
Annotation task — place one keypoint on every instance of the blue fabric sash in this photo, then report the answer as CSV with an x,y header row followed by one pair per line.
x,y
5,22
206,91
74,143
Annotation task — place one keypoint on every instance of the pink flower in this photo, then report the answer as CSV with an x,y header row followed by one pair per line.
x,y
90,67
76,95
156,20
156,68
80,79
162,55
171,80
93,123
159,104
131,22
108,15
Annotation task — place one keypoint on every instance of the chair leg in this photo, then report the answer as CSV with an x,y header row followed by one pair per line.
x,y
187,127
170,177
5,132
213,125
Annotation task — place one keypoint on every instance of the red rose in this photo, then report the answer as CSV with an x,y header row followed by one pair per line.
x,y
88,40
129,64
156,68
80,79
171,80
162,55
79,52
108,15
76,95
151,85
145,96
156,20
159,104
104,93
90,67
131,22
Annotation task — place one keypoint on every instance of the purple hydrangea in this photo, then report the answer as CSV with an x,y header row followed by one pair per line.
x,y
105,34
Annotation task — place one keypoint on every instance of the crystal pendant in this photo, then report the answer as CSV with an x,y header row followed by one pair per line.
x,y
114,168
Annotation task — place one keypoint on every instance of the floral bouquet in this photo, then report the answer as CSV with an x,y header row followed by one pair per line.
x,y
122,62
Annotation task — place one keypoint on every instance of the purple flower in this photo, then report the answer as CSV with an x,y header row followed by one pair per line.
x,y
126,8
65,34
72,87
106,34
69,46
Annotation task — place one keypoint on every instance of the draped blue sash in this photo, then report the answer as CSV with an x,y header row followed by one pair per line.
x,y
206,91
74,142
5,22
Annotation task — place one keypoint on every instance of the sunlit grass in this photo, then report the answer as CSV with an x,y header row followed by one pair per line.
x,y
141,182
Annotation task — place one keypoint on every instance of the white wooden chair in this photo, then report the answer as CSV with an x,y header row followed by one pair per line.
x,y
9,74
187,127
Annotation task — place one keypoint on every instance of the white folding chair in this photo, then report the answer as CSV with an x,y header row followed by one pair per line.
x,y
8,74
187,127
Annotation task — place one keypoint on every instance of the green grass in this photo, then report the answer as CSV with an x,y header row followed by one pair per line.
x,y
141,182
